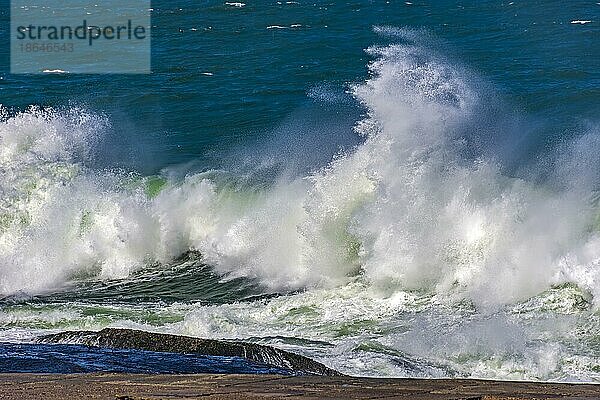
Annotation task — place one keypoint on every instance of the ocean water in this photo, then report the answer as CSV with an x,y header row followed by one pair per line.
x,y
73,359
390,188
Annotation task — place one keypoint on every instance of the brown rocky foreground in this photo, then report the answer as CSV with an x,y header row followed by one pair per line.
x,y
129,386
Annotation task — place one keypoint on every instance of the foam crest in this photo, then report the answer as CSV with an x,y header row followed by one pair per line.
x,y
58,218
410,208
446,222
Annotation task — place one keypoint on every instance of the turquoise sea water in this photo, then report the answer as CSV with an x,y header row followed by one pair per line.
x,y
532,55
392,188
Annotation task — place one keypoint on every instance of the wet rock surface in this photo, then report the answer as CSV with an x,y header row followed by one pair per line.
x,y
132,386
157,342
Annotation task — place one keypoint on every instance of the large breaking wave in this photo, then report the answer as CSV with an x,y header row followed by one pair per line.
x,y
420,252
413,207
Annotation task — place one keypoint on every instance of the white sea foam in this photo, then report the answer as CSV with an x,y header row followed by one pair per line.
x,y
412,259
405,210
399,244
54,71
358,330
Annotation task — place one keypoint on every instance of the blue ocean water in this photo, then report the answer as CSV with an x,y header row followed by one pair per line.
x,y
260,77
74,359
395,188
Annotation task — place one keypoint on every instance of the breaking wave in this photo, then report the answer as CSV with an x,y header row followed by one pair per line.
x,y
413,207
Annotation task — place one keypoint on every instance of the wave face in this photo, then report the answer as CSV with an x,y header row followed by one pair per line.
x,y
417,253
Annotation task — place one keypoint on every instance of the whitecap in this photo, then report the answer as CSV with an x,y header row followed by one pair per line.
x,y
55,71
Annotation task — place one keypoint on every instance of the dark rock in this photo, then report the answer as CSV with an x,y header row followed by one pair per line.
x,y
134,339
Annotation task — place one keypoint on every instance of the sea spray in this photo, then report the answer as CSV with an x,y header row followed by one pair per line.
x,y
406,207
408,255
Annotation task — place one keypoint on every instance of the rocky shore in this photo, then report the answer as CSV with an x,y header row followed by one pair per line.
x,y
159,342
301,377
138,387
